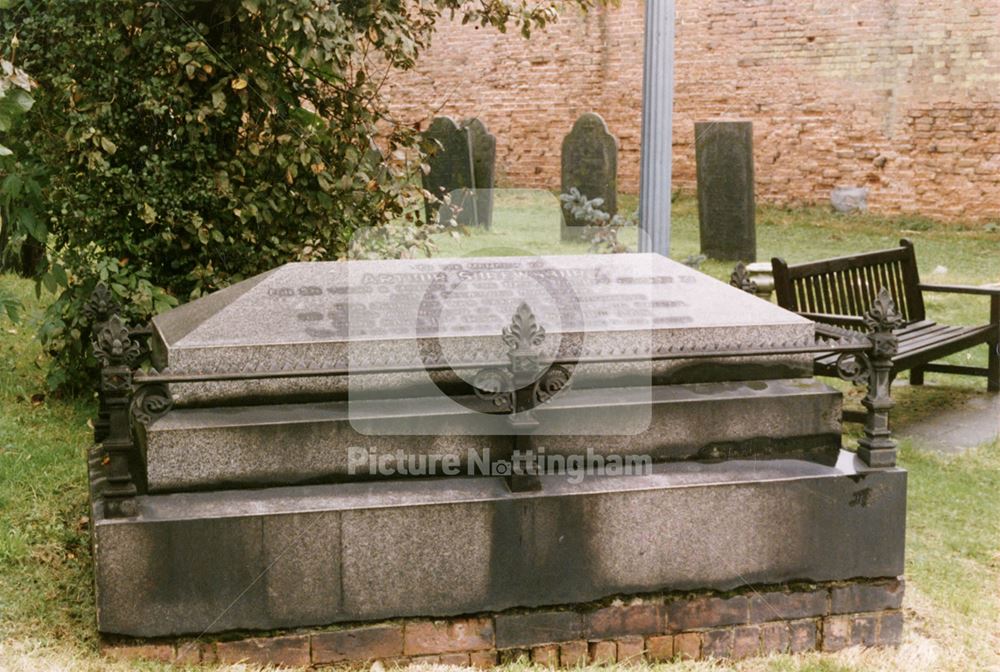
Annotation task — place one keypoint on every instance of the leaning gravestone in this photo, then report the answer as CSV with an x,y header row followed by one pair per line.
x,y
724,153
590,165
484,159
449,156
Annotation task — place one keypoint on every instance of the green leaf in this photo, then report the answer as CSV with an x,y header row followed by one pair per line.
x,y
108,146
27,220
59,274
11,187
5,151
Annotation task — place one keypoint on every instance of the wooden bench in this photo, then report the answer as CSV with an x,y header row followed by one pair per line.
x,y
840,291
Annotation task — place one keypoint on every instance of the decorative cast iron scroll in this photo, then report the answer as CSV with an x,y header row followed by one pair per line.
x,y
521,386
741,279
524,383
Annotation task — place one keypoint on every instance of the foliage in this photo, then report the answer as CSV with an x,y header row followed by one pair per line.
x,y
19,191
190,144
604,227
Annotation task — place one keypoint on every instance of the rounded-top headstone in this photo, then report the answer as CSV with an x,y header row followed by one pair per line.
x,y
590,165
449,157
484,159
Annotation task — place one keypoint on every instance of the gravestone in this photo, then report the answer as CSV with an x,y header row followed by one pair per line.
x,y
484,159
449,156
590,165
724,153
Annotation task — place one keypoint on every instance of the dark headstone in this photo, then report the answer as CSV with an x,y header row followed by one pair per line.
x,y
449,155
484,160
589,164
726,190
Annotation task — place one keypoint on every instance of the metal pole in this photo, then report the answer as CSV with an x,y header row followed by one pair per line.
x,y
657,128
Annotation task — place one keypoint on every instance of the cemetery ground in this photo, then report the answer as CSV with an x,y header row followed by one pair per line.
x,y
952,601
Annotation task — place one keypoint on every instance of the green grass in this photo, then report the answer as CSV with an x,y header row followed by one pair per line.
x,y
953,536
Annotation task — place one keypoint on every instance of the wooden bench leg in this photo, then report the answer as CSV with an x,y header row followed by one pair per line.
x,y
917,376
993,380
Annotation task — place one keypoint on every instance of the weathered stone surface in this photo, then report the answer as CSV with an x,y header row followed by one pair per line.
x,y
483,660
306,443
860,597
449,155
848,200
603,653
620,621
630,650
890,632
688,646
290,651
574,654
134,652
863,630
590,165
484,159
370,316
787,606
537,627
724,154
354,644
660,649
803,636
706,612
177,567
471,634
836,633
774,638
717,643
746,641
546,655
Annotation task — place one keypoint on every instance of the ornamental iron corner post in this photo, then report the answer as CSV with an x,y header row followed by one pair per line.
x,y
117,354
877,447
98,310
520,387
741,279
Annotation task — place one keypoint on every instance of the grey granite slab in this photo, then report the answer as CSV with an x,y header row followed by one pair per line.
x,y
321,554
300,443
369,316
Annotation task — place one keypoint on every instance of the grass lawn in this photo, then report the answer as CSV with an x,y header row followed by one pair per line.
x,y
953,544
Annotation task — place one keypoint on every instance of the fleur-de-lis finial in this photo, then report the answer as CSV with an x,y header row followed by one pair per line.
x,y
741,279
113,345
883,315
524,332
101,305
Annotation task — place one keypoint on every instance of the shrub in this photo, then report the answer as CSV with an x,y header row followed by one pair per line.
x,y
191,144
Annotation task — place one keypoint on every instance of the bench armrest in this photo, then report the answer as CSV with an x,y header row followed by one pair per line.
x,y
839,320
961,289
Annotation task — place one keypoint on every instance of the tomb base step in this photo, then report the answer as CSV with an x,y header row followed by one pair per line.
x,y
292,444
195,563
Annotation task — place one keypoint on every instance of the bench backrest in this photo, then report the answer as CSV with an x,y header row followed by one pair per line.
x,y
848,285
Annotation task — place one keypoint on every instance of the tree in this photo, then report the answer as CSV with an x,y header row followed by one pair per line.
x,y
189,144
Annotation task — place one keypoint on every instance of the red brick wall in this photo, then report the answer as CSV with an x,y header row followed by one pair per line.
x,y
902,96
754,621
